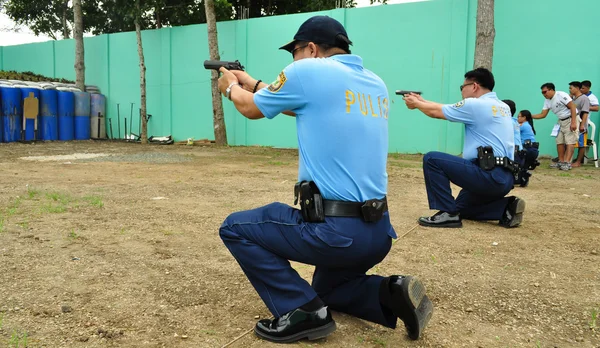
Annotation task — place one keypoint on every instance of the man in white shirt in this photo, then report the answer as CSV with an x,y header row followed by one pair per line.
x,y
563,107
585,89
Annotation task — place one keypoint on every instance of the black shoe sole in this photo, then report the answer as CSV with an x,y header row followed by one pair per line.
x,y
516,221
311,334
419,304
457,224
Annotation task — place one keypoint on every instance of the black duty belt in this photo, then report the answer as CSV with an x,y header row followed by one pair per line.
x,y
314,208
346,209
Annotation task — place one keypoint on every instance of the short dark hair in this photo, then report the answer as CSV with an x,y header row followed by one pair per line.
x,y
511,105
342,42
483,77
586,83
575,84
549,85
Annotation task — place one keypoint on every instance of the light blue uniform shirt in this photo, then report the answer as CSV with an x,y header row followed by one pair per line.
x,y
342,123
527,132
488,122
517,132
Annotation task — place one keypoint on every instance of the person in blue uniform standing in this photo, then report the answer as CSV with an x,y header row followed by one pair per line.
x,y
343,224
530,145
486,171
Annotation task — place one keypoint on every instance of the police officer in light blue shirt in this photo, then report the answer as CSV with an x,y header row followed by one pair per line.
x,y
343,224
530,146
488,123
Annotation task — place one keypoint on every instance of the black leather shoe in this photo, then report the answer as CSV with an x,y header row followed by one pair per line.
x,y
296,325
525,179
405,296
513,214
441,219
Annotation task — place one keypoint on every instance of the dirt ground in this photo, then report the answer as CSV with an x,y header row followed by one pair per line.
x,y
122,250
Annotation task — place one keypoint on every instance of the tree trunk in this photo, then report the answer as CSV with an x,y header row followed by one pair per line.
x,y
158,22
64,20
213,46
484,44
138,32
79,49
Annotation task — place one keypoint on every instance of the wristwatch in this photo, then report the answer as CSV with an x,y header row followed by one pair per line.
x,y
228,90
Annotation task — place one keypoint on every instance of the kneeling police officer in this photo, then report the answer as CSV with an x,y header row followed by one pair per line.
x,y
486,172
343,226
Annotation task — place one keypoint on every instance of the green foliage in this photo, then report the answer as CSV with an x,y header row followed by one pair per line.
x,y
28,76
55,17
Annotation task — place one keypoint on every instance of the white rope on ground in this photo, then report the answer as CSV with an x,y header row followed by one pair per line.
x,y
237,338
407,232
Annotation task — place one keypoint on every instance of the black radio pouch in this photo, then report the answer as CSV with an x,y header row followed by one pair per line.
x,y
311,202
485,157
373,210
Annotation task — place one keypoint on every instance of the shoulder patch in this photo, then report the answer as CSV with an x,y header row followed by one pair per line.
x,y
278,83
459,104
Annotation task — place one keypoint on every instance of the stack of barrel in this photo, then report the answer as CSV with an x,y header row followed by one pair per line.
x,y
50,111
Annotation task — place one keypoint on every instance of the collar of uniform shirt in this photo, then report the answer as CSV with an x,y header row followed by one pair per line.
x,y
348,59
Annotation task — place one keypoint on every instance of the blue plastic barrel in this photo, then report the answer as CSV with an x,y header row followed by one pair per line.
x,y
11,114
66,111
98,116
82,115
48,123
26,92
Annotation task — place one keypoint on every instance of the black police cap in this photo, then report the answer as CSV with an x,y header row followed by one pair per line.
x,y
320,30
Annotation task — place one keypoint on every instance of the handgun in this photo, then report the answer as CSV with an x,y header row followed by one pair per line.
x,y
403,92
217,64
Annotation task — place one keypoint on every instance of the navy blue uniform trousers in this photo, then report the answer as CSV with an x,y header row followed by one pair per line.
x,y
343,249
482,194
531,156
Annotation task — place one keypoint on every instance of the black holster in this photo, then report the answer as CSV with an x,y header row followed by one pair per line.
x,y
311,202
528,143
485,158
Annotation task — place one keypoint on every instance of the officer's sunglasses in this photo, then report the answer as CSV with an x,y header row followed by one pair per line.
x,y
465,85
297,48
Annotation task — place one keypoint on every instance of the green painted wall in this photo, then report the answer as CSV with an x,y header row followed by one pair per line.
x,y
544,47
426,45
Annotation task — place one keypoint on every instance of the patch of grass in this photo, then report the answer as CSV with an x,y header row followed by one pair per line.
x,y
24,224
208,332
410,157
73,235
277,163
170,232
405,164
380,342
594,318
538,344
12,208
1,320
49,208
433,258
31,192
1,223
565,175
95,201
59,197
18,339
